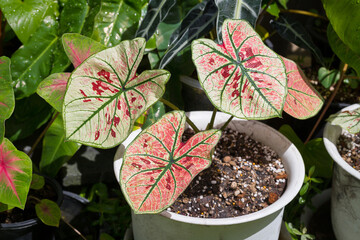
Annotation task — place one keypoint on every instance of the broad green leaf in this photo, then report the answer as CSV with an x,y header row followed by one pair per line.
x,y
295,32
302,100
158,167
314,153
115,19
30,114
15,175
94,8
105,96
7,99
48,212
199,21
26,16
52,89
273,8
242,77
55,151
348,120
37,182
345,19
78,47
154,113
345,53
156,13
236,9
328,77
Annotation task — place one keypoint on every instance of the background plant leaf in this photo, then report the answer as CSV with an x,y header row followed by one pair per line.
x,y
302,100
26,16
37,182
345,53
154,113
294,32
105,96
117,20
199,21
313,153
348,120
158,167
15,175
7,99
56,151
242,76
327,78
236,9
156,13
48,212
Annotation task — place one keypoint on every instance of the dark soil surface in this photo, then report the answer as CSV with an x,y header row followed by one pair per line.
x,y
18,215
245,176
348,146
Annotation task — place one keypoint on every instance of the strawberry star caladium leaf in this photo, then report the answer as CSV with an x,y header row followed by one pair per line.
x,y
78,47
348,120
52,89
302,100
15,175
105,96
242,77
158,166
7,98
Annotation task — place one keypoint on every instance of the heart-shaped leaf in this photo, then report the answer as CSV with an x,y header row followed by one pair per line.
x,y
48,212
105,96
78,47
52,89
237,9
242,76
302,100
348,120
156,13
15,175
25,16
7,99
37,182
328,77
158,167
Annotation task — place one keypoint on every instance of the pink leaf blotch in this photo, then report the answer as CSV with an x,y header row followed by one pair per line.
x,y
158,167
15,175
105,95
242,76
302,100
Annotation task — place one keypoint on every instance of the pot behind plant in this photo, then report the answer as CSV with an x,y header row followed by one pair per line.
x,y
264,224
32,228
345,195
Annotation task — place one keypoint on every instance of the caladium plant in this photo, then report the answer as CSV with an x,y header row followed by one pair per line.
x,y
348,120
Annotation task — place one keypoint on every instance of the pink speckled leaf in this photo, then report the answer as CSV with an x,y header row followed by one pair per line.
x,y
78,47
15,175
105,96
52,89
348,120
158,167
302,100
242,77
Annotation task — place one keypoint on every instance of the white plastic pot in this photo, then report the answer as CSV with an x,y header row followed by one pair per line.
x,y
345,194
264,224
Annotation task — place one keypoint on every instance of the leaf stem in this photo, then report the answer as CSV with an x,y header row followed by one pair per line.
x,y
302,12
227,123
73,228
328,103
37,141
211,123
172,106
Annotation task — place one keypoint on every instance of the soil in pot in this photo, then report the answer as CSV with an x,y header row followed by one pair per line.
x,y
18,215
348,146
245,176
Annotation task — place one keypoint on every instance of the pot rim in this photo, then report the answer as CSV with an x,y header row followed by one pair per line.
x,y
294,182
331,135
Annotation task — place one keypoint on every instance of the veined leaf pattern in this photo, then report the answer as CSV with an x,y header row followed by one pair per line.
x,y
105,96
242,76
158,167
15,175
302,100
348,120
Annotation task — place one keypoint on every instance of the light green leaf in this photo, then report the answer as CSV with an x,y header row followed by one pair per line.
x,y
328,77
348,120
37,182
48,212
